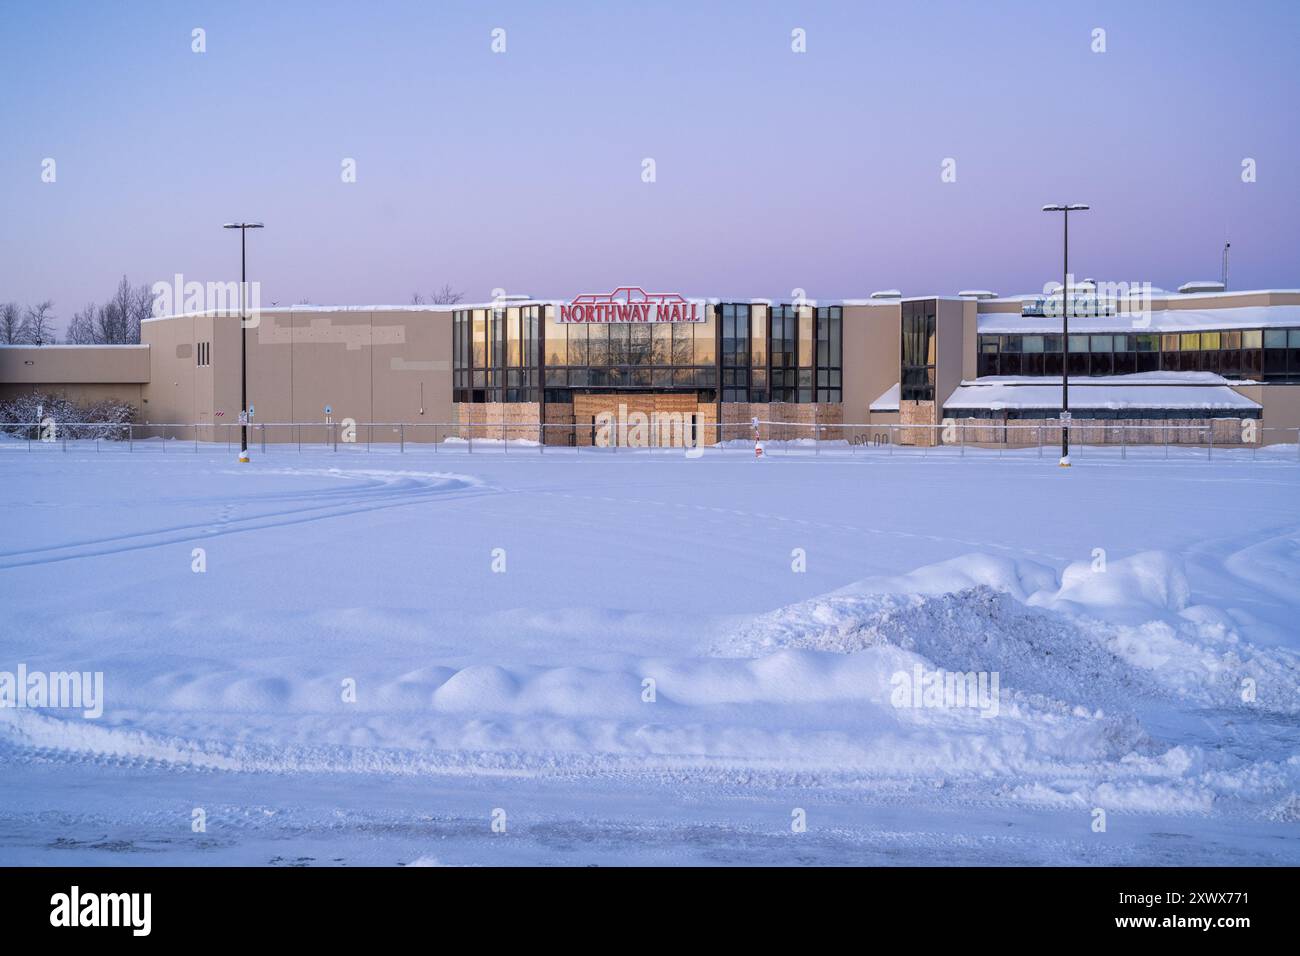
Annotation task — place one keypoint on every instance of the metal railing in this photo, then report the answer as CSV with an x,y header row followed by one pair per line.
x,y
1088,438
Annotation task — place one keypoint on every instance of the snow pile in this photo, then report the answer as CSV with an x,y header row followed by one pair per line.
x,y
1099,635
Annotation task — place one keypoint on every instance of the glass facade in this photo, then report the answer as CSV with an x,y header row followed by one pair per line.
x,y
783,364
737,341
495,354
782,353
1270,355
742,352
830,353
918,351
630,356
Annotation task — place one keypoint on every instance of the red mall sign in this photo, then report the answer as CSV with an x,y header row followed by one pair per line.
x,y
631,304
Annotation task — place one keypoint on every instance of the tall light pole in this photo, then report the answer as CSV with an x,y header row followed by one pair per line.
x,y
1065,208
243,228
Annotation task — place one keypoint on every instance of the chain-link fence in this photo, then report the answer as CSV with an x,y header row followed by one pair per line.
x,y
1088,438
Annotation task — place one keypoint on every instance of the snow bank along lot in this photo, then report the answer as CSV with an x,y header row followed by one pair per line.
x,y
651,659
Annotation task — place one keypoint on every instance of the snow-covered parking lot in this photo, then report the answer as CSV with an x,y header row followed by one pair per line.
x,y
384,658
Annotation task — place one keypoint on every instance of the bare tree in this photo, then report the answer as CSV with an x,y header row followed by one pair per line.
x,y
81,329
141,309
114,316
444,296
11,324
117,322
38,324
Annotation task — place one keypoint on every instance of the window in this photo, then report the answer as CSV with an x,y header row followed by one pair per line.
x,y
736,340
598,345
203,354
619,337
480,339
496,354
1251,353
705,349
661,344
514,341
918,347
683,344
830,351
805,337
784,382
578,344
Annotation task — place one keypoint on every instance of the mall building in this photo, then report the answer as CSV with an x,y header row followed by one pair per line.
x,y
1202,359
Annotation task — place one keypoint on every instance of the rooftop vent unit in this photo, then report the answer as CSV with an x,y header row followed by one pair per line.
x,y
1082,286
1188,288
887,294
977,294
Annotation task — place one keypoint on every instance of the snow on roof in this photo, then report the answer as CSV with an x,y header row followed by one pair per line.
x,y
1155,291
286,309
888,400
1157,320
976,294
1200,285
1103,392
1133,378
74,345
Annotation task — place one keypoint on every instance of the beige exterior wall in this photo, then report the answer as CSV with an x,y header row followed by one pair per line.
x,y
950,357
872,355
79,373
969,340
1228,300
370,366
74,364
1281,414
171,395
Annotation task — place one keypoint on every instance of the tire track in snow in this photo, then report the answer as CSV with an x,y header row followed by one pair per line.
x,y
388,494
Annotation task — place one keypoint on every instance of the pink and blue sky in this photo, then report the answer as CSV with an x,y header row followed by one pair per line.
x,y
522,170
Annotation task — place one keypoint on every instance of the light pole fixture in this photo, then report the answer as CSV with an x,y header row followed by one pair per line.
x,y
243,228
1066,209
